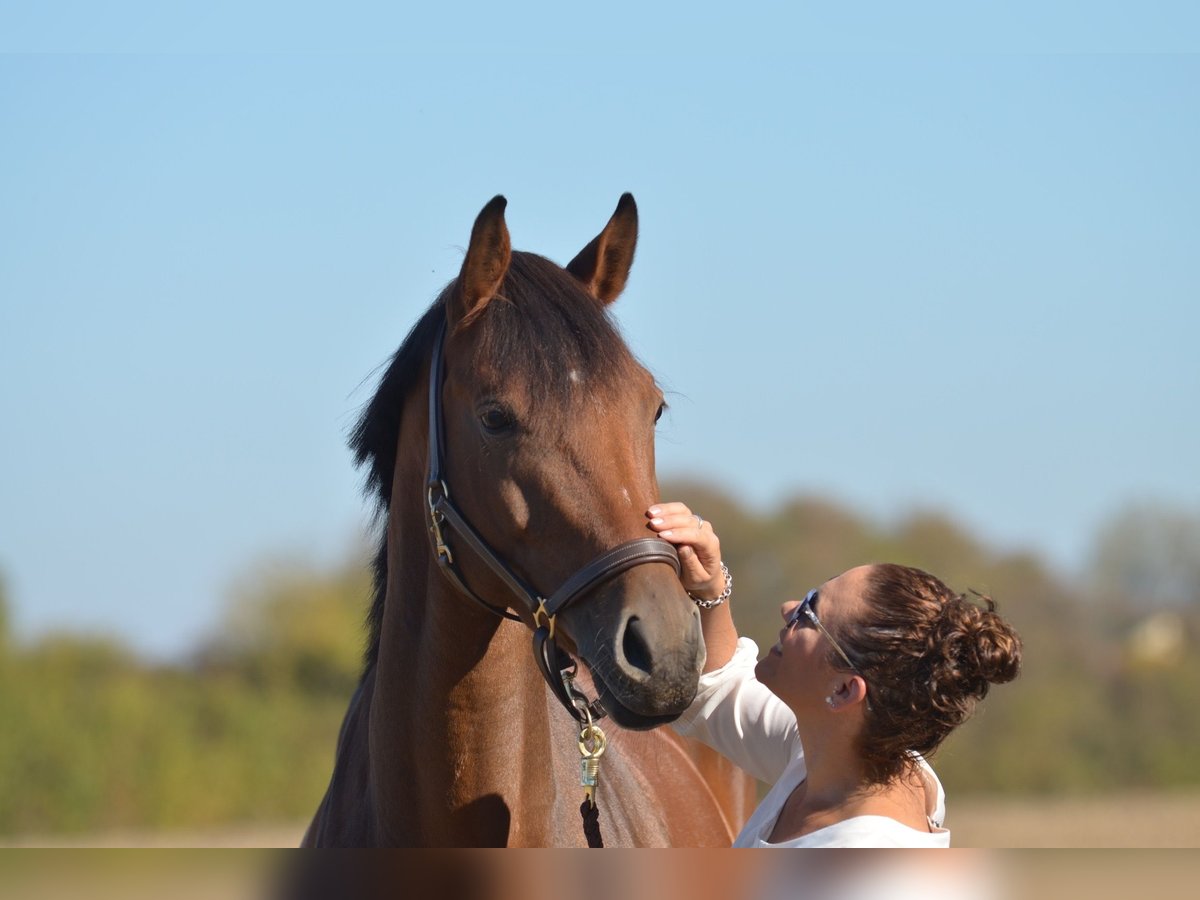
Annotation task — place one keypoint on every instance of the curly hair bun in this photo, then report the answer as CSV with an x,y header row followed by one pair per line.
x,y
973,647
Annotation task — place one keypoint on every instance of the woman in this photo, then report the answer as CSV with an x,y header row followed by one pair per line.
x,y
873,669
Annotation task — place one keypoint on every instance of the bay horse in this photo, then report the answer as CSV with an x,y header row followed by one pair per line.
x,y
541,423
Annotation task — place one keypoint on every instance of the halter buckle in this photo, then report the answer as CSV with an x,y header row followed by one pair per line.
x,y
445,557
542,612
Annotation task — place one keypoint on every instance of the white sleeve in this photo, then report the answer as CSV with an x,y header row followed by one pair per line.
x,y
741,719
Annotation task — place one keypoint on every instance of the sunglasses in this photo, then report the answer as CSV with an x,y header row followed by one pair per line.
x,y
804,616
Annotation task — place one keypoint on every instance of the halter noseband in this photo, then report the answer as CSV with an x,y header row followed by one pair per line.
x,y
443,514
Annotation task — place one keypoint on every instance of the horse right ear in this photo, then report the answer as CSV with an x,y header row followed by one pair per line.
x,y
603,265
484,268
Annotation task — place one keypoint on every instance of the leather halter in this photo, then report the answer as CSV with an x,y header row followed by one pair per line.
x,y
443,514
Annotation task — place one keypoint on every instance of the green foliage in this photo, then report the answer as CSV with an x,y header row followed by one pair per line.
x,y
95,738
3,616
289,625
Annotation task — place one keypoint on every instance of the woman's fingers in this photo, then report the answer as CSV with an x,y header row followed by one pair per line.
x,y
674,513
699,547
674,516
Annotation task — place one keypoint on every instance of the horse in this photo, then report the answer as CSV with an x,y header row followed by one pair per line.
x,y
541,423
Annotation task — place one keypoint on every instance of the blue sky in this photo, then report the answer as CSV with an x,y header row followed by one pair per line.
x,y
964,281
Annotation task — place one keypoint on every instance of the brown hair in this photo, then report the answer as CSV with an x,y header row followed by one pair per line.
x,y
928,656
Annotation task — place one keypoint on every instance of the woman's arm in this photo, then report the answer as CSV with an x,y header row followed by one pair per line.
x,y
700,563
732,713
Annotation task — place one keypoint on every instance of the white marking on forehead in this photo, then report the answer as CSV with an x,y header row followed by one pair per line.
x,y
625,494
574,376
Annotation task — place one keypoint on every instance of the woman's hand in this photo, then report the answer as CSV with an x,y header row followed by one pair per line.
x,y
698,546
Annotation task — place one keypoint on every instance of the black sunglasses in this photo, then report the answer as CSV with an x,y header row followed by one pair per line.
x,y
804,616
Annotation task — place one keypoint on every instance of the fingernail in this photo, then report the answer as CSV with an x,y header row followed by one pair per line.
x,y
654,510
657,522
664,533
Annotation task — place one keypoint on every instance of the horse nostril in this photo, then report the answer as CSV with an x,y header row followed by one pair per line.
x,y
634,646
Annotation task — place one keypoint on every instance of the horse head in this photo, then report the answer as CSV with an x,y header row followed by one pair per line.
x,y
549,428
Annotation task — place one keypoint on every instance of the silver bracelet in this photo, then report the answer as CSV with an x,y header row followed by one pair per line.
x,y
715,601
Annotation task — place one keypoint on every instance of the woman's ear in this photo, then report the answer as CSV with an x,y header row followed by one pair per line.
x,y
847,692
856,690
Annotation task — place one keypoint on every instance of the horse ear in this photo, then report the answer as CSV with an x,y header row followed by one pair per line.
x,y
484,268
603,265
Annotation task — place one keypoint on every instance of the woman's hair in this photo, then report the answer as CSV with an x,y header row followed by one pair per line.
x,y
928,656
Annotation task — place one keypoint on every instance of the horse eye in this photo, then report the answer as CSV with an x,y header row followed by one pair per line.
x,y
496,419
658,415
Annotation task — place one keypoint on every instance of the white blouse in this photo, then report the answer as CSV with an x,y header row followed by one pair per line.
x,y
741,719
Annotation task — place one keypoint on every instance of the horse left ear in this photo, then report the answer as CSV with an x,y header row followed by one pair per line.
x,y
483,271
603,265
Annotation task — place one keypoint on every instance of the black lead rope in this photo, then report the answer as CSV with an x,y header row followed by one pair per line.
x,y
591,823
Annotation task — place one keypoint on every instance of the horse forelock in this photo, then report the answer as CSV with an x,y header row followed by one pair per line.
x,y
543,330
546,333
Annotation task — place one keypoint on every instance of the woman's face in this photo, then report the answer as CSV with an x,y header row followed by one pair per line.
x,y
797,669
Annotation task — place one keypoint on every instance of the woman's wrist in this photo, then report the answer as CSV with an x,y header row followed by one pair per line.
x,y
710,602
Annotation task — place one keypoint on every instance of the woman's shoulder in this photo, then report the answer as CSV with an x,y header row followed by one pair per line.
x,y
868,831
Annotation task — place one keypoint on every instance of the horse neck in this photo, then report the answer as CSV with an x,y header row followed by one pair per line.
x,y
458,724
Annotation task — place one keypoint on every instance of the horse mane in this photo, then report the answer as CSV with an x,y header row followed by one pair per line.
x,y
540,328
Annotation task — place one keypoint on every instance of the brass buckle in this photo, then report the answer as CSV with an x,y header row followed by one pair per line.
x,y
541,611
445,557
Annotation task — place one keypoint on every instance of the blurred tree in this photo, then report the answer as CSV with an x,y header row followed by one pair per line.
x,y
290,624
1149,555
4,626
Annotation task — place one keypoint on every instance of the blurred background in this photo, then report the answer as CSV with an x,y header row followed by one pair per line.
x,y
912,298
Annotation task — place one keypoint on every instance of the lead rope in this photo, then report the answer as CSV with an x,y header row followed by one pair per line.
x,y
591,824
591,747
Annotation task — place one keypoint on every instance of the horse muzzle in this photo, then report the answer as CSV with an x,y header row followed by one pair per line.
x,y
645,666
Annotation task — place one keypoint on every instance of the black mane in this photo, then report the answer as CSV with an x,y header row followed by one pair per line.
x,y
540,327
